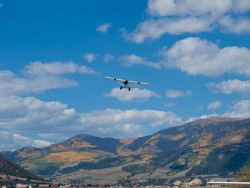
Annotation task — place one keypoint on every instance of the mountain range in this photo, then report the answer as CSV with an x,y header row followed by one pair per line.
x,y
212,147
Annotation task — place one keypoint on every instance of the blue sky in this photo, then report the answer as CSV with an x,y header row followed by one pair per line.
x,y
55,54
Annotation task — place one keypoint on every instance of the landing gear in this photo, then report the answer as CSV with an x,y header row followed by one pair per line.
x,y
121,88
129,89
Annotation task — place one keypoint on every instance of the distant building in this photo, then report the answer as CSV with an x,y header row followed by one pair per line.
x,y
44,185
22,186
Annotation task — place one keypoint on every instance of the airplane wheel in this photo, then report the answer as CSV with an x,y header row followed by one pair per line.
x,y
121,88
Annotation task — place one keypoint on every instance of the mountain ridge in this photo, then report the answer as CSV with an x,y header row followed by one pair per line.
x,y
188,149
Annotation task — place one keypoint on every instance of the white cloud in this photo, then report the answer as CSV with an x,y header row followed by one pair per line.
x,y
1,5
201,117
55,121
108,58
39,77
11,84
176,93
191,16
40,143
231,25
214,105
104,27
197,56
90,57
240,110
232,86
30,115
55,68
12,141
130,60
155,28
189,7
111,117
134,94
242,5
170,104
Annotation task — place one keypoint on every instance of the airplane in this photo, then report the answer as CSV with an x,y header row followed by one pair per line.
x,y
126,83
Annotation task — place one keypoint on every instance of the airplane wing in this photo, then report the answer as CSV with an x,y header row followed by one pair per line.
x,y
230,183
140,83
115,79
132,82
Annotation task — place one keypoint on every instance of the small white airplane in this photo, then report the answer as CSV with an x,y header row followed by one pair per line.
x,y
126,83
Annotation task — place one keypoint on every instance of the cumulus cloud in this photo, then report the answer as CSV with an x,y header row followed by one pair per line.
x,y
231,25
176,93
189,7
130,60
232,86
32,116
56,68
134,94
11,84
241,6
104,27
111,117
201,117
191,16
214,105
90,57
153,29
129,123
197,56
240,110
38,77
108,58
12,141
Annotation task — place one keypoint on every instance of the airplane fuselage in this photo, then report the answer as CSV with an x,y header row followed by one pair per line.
x,y
126,84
